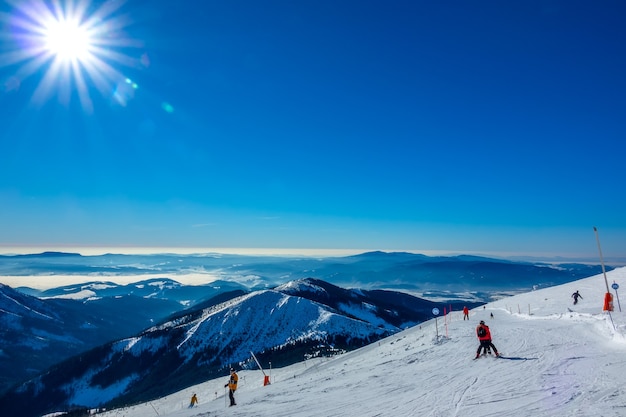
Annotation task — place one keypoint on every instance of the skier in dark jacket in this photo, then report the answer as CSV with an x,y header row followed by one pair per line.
x,y
575,296
484,336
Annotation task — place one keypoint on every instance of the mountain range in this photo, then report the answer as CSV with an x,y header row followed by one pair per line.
x,y
298,320
387,270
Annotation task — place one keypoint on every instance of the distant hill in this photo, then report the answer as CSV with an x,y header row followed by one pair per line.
x,y
49,254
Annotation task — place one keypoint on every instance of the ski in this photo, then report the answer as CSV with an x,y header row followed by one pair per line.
x,y
489,355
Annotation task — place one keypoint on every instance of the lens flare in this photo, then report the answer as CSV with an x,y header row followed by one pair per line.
x,y
72,44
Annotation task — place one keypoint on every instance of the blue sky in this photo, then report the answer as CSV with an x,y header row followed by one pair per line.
x,y
405,125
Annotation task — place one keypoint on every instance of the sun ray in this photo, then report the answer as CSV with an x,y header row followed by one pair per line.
x,y
45,87
83,90
15,57
101,72
30,67
114,56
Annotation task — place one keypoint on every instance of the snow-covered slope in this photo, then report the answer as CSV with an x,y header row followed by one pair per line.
x,y
15,304
560,360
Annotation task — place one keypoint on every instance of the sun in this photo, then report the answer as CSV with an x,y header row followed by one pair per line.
x,y
77,46
68,40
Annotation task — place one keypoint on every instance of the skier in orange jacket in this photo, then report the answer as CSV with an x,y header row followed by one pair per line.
x,y
232,386
465,313
484,336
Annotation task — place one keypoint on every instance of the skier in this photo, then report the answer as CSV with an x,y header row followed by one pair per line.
x,y
484,336
194,401
465,313
232,386
575,296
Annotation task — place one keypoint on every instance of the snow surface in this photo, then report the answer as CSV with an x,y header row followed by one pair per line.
x,y
300,286
79,295
560,360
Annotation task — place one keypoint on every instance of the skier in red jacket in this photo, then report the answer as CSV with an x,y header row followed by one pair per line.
x,y
484,336
465,313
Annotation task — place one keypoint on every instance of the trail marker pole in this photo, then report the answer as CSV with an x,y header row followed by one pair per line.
x,y
436,313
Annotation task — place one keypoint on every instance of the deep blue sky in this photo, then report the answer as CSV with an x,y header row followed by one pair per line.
x,y
396,125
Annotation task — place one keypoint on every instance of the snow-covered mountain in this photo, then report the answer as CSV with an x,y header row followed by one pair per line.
x,y
559,360
37,333
293,322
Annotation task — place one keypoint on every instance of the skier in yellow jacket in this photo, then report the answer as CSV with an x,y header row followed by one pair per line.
x,y
232,386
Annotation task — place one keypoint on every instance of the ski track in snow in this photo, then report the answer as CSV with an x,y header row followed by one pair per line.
x,y
556,362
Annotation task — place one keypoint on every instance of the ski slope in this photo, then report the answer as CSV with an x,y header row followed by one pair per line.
x,y
560,360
